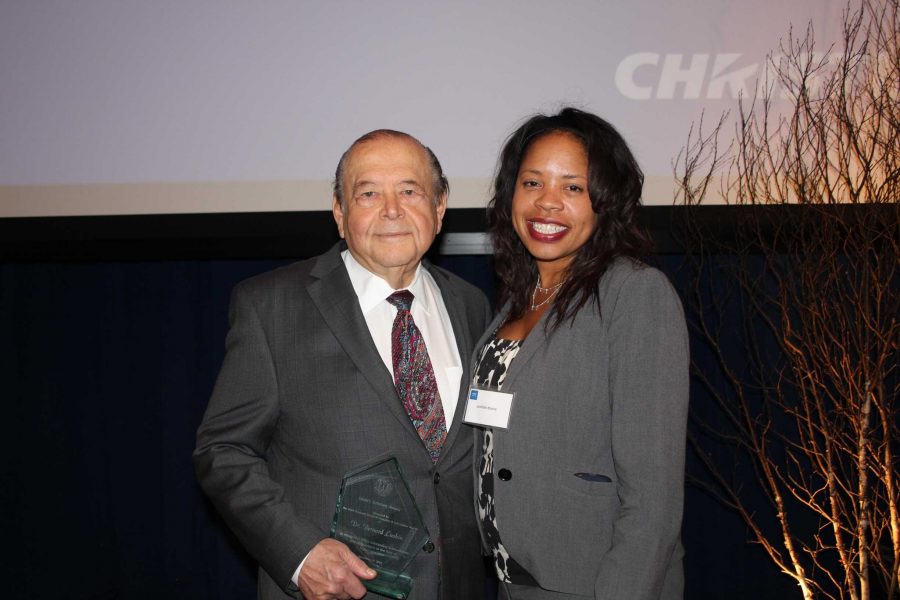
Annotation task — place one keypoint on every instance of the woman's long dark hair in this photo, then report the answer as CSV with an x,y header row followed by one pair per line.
x,y
614,187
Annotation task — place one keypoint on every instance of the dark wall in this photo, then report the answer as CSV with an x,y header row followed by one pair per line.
x,y
107,366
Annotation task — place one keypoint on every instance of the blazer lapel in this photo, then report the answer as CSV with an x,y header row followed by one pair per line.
x,y
536,340
336,301
456,310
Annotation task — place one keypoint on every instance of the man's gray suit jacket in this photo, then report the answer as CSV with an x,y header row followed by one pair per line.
x,y
302,398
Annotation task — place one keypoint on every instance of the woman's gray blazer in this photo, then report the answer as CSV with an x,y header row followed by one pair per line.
x,y
595,444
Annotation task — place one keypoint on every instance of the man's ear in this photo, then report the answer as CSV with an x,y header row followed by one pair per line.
x,y
338,213
440,209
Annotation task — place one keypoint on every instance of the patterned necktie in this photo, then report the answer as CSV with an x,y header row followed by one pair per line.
x,y
414,376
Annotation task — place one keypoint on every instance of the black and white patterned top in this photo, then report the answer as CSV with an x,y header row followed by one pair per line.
x,y
496,356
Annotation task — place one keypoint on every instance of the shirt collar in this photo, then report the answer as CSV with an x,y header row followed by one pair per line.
x,y
372,289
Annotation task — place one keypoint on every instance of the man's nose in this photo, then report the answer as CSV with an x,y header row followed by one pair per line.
x,y
392,208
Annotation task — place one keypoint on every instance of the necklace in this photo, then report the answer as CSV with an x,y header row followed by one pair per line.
x,y
543,290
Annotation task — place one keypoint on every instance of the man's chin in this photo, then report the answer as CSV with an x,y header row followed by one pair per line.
x,y
396,254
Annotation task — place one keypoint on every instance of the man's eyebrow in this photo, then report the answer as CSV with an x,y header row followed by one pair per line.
x,y
362,183
411,182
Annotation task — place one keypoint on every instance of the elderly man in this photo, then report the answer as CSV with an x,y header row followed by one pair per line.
x,y
317,382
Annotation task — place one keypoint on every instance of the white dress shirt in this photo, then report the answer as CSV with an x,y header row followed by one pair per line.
x,y
430,315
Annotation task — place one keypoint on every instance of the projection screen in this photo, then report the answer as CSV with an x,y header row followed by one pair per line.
x,y
193,106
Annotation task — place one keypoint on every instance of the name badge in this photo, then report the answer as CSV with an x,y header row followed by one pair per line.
x,y
488,408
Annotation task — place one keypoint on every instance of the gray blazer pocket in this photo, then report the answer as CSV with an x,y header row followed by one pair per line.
x,y
595,484
593,477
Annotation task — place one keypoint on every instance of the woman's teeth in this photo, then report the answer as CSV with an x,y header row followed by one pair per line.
x,y
547,228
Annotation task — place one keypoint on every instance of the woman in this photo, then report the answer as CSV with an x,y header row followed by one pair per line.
x,y
580,496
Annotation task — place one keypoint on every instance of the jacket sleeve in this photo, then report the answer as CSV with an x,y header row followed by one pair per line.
x,y
649,370
232,442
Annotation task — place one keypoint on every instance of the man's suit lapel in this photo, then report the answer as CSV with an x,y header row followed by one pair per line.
x,y
456,309
336,301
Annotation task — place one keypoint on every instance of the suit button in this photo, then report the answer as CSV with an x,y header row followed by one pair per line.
x,y
436,478
428,547
504,474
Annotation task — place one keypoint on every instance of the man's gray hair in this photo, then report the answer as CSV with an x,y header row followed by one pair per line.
x,y
439,183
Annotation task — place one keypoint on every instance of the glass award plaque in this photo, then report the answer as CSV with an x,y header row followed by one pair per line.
x,y
377,517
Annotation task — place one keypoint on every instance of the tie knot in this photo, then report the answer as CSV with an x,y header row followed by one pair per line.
x,y
401,299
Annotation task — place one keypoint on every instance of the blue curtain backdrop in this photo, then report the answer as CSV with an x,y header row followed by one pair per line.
x,y
106,368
